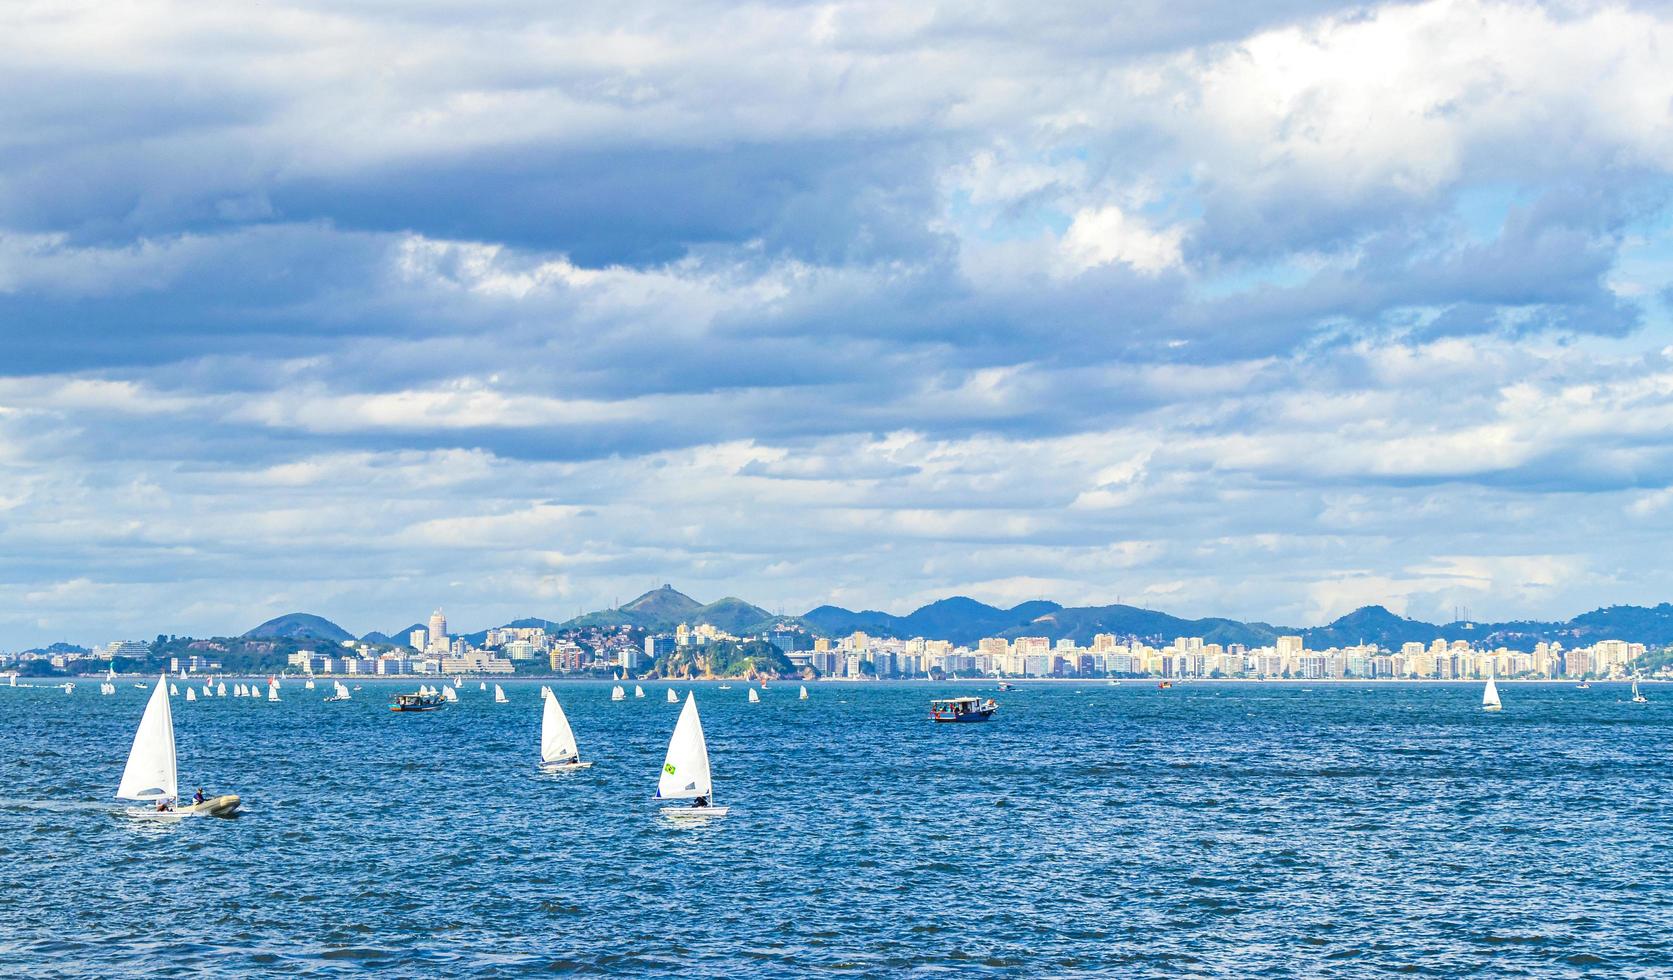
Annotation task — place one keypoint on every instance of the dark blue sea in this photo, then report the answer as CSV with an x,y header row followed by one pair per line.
x,y
1216,829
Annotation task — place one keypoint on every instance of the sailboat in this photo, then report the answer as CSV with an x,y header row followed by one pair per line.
x,y
558,751
151,774
617,694
638,691
338,692
449,694
208,691
672,697
753,697
191,694
308,685
221,689
458,682
685,770
1637,695
1490,697
482,685
803,696
499,695
273,693
173,691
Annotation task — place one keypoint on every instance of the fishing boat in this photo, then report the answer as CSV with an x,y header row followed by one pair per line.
x,y
960,710
338,692
1490,697
685,770
558,751
672,697
638,691
417,701
617,694
499,695
1637,695
753,697
152,775
803,695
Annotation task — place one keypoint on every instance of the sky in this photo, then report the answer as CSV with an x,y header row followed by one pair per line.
x,y
1257,310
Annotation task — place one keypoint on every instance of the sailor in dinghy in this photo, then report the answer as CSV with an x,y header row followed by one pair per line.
x,y
685,770
558,751
152,775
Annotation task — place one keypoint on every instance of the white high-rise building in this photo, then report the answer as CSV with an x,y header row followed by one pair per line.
x,y
438,631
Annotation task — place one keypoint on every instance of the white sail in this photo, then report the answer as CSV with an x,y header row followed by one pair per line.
x,y
173,691
273,693
499,694
309,685
340,691
803,695
753,697
638,691
208,691
557,740
110,673
449,694
672,697
221,689
617,694
685,770
191,694
150,773
482,685
1490,696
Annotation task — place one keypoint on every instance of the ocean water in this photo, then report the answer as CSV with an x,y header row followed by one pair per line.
x,y
1216,829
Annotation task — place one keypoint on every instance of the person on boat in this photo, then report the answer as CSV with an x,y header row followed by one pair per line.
x,y
700,802
162,806
197,798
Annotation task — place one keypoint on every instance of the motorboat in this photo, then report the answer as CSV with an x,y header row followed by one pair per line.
x,y
416,702
962,710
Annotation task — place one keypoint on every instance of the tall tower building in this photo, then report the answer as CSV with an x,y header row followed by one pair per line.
x,y
438,630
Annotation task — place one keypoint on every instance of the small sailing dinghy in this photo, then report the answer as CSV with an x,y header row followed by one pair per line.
x,y
151,775
338,692
558,751
638,691
273,693
308,685
617,694
449,695
753,697
221,689
482,685
1637,695
499,695
672,697
191,694
802,696
685,770
1490,697
173,691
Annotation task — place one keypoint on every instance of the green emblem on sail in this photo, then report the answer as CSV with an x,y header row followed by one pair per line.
x,y
668,767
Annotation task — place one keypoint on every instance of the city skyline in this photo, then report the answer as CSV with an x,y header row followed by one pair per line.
x,y
1262,311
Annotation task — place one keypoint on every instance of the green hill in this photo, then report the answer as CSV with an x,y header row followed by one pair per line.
x,y
300,626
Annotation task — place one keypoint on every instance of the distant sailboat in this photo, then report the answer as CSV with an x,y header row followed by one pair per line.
x,y
672,697
221,689
558,751
338,692
308,685
617,694
685,770
173,691
191,694
482,685
449,694
803,696
1638,696
151,774
753,697
638,691
1490,697
208,691
273,693
499,695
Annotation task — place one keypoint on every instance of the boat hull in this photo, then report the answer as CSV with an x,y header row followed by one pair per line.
x,y
564,766
694,812
1492,707
216,806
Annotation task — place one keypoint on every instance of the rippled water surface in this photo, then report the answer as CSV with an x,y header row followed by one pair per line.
x,y
1214,829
